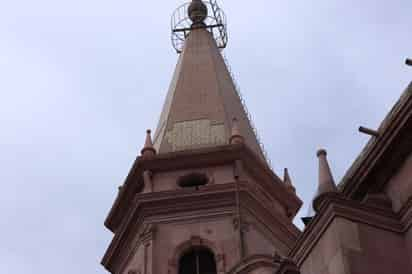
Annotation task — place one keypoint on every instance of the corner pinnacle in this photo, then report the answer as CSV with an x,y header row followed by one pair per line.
x,y
326,183
288,181
148,149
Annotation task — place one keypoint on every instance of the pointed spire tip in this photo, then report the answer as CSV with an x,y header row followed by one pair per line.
x,y
288,181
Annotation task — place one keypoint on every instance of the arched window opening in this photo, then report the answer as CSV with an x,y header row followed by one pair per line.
x,y
197,261
195,180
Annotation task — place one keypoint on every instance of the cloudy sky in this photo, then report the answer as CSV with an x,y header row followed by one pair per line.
x,y
80,81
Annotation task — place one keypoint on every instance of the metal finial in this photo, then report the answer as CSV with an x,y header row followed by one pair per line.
x,y
197,12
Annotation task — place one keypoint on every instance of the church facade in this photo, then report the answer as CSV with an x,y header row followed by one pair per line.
x,y
202,199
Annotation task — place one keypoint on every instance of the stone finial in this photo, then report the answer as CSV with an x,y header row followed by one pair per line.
x,y
236,137
326,182
148,149
288,181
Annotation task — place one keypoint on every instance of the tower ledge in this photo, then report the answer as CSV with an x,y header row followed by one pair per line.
x,y
211,156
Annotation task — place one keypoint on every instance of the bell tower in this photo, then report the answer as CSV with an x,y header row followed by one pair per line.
x,y
201,198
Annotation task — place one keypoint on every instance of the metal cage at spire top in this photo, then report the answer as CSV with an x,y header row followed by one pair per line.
x,y
215,23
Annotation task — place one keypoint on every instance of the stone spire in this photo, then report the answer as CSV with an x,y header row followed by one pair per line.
x,y
326,182
202,101
148,149
288,181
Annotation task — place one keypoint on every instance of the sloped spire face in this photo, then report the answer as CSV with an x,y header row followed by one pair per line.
x,y
201,101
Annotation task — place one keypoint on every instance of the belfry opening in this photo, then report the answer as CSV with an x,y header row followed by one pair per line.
x,y
197,260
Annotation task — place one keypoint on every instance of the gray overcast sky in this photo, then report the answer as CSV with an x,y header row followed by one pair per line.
x,y
80,81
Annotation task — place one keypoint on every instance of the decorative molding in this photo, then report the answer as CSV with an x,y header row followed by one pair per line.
x,y
214,200
198,158
211,200
147,233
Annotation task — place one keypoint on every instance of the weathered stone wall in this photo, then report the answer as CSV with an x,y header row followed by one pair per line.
x,y
260,240
382,252
356,248
329,256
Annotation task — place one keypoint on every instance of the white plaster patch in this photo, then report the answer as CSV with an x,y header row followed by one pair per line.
x,y
195,134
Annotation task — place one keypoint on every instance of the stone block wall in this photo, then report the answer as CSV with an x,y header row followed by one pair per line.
x,y
348,247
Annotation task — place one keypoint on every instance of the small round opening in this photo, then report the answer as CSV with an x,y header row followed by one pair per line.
x,y
193,180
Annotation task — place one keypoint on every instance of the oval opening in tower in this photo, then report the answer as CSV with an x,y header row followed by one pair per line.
x,y
193,180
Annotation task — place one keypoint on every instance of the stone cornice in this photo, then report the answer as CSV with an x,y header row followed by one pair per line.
x,y
216,200
335,206
221,155
384,154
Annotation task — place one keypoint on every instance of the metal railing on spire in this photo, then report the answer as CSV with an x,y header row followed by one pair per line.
x,y
248,115
181,25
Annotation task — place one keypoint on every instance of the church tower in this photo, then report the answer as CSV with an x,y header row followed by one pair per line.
x,y
201,198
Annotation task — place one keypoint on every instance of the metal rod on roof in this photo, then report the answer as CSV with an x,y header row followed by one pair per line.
x,y
369,131
408,62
